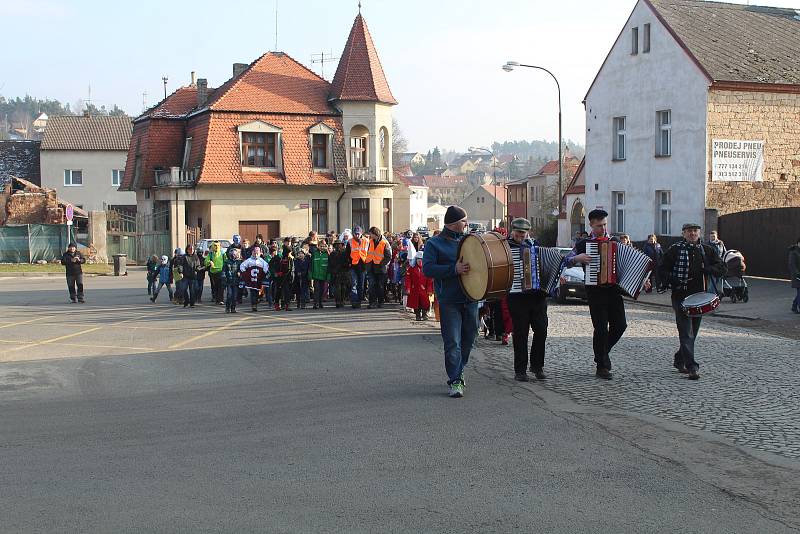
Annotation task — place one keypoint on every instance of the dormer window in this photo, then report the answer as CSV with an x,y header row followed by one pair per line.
x,y
260,144
258,150
321,143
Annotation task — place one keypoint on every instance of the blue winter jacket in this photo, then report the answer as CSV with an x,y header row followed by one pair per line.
x,y
164,274
439,263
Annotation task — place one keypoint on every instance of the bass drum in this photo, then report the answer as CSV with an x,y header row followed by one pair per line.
x,y
491,271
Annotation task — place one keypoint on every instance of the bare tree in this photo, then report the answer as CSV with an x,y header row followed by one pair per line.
x,y
399,142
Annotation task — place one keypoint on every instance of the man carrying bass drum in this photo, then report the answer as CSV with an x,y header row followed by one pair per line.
x,y
685,268
458,313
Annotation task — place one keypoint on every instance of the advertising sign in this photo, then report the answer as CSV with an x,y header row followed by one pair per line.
x,y
737,161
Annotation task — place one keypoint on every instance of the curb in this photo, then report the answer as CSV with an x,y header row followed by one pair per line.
x,y
44,275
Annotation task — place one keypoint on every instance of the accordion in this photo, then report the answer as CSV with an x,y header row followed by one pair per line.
x,y
536,268
615,264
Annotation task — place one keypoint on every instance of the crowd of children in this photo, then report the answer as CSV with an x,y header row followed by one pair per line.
x,y
351,267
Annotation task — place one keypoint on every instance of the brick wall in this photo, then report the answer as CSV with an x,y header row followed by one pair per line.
x,y
772,117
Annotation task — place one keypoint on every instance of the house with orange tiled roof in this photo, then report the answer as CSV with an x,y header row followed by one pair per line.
x,y
543,190
275,150
486,205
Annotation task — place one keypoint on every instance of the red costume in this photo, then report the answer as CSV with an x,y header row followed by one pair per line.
x,y
418,287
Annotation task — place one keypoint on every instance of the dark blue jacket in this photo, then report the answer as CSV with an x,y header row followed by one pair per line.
x,y
439,263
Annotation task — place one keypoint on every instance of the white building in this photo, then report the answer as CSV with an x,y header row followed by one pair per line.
x,y
673,83
410,203
83,159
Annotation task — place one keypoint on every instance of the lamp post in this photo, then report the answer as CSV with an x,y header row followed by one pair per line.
x,y
508,67
494,174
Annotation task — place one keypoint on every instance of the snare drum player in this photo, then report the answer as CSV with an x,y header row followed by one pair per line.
x,y
458,313
606,306
685,268
526,303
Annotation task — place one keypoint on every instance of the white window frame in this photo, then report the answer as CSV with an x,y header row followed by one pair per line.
x,y
635,40
187,152
117,173
664,213
69,179
646,37
262,127
619,125
322,129
618,202
664,133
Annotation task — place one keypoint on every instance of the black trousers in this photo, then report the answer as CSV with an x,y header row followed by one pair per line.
x,y
216,287
688,328
74,280
608,319
528,311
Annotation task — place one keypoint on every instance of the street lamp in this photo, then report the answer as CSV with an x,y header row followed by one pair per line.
x,y
508,67
494,174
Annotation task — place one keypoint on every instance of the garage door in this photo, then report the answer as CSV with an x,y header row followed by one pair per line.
x,y
268,229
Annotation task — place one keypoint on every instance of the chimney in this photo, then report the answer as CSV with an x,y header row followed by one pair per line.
x,y
202,92
239,68
194,78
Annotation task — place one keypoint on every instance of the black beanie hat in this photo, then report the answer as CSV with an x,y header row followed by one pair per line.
x,y
454,214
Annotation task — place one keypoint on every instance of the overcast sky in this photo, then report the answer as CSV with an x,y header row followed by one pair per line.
x,y
442,58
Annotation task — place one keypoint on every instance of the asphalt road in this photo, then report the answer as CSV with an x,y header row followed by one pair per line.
x,y
122,416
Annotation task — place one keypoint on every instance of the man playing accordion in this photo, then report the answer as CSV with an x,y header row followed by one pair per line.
x,y
527,302
606,306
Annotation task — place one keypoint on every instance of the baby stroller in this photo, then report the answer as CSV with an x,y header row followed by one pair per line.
x,y
733,285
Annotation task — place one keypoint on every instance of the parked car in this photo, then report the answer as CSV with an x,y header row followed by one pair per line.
x,y
204,245
423,232
476,228
570,283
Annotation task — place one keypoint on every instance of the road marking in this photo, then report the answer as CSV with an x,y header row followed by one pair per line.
x,y
82,332
26,322
317,325
209,333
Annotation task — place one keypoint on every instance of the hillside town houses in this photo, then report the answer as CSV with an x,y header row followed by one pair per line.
x,y
693,115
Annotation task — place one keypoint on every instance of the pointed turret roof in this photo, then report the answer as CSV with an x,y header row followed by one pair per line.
x,y
359,75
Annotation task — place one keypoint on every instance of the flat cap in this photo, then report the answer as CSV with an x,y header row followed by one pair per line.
x,y
689,226
520,224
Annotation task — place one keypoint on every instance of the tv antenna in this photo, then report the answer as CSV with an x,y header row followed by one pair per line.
x,y
144,101
324,57
276,25
165,79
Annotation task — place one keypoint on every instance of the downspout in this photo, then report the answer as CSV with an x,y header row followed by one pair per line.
x,y
338,210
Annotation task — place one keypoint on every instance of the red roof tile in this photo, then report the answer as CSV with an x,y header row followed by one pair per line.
x,y
274,83
501,192
359,75
551,167
175,106
216,151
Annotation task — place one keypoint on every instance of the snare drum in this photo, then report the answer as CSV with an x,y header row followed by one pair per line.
x,y
700,304
491,271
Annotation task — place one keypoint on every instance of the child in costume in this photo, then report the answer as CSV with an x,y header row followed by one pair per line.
x,y
419,289
252,271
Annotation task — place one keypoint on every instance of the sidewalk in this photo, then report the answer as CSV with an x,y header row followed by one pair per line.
x,y
770,300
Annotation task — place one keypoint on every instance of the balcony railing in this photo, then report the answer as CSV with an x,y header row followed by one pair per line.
x,y
364,174
176,177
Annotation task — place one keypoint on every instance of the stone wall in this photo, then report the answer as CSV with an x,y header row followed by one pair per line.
x,y
772,117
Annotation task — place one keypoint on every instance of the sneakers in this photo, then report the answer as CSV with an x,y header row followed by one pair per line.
x,y
456,390
693,374
504,341
539,374
521,377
